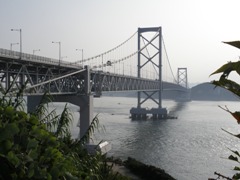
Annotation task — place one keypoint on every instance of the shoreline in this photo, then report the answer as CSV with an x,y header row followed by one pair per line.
x,y
137,170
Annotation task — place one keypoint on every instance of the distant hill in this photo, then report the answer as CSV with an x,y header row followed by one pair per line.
x,y
202,92
207,91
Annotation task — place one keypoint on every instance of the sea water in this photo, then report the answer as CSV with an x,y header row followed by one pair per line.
x,y
193,146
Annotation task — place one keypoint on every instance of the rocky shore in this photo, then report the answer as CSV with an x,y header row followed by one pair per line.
x,y
137,170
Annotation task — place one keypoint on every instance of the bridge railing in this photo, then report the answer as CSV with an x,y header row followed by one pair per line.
x,y
35,58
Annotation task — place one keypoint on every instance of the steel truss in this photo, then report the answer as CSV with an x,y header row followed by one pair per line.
x,y
40,75
113,82
37,75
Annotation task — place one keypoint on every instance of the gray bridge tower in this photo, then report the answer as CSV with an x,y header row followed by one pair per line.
x,y
182,78
156,49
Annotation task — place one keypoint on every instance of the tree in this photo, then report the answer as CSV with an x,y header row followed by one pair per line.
x,y
39,145
233,87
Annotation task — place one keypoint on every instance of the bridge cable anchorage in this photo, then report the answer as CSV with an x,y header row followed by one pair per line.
x,y
88,59
168,59
134,53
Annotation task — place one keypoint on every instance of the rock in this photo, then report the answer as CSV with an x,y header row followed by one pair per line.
x,y
146,171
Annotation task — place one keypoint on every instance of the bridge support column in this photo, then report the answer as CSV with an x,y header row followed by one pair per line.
x,y
83,100
32,102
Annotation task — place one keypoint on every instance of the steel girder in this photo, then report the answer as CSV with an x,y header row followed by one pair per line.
x,y
15,76
38,76
102,81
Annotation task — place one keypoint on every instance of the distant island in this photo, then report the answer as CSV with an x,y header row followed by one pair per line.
x,y
208,91
201,92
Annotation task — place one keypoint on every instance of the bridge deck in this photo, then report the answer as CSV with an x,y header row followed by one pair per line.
x,y
46,74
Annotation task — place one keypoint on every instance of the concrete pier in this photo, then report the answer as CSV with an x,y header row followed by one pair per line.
x,y
84,100
144,113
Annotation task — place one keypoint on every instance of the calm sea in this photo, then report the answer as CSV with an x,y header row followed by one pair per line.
x,y
193,146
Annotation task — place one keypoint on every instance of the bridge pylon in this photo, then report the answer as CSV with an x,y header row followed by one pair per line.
x,y
156,49
182,78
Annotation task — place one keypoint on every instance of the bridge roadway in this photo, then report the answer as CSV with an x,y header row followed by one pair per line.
x,y
40,74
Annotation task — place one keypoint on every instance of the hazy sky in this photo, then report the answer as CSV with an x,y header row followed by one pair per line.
x,y
193,30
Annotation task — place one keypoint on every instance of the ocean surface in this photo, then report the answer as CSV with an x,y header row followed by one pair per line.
x,y
193,146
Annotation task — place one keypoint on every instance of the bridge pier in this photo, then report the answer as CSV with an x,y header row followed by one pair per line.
x,y
85,102
143,113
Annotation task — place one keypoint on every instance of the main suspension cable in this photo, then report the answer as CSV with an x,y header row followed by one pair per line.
x,y
168,59
88,59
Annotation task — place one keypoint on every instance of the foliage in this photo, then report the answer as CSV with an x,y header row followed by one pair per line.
x,y
233,87
28,150
39,146
94,124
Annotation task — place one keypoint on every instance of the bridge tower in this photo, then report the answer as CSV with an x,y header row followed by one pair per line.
x,y
182,78
156,44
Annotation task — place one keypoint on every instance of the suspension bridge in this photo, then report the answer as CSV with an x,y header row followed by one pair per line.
x,y
145,69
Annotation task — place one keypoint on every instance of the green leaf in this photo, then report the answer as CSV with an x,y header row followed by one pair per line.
x,y
224,68
30,171
5,146
33,154
54,172
49,177
8,144
33,120
237,168
9,111
234,43
228,85
8,131
13,159
231,157
236,135
227,68
12,128
32,143
235,152
236,176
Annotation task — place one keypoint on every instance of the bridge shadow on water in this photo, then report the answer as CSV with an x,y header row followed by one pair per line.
x,y
179,106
